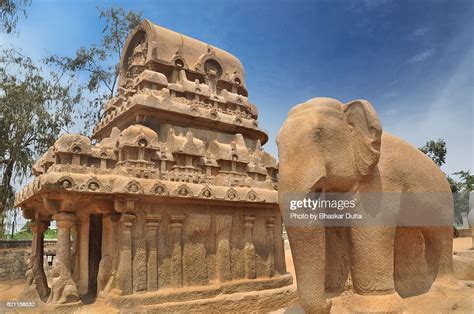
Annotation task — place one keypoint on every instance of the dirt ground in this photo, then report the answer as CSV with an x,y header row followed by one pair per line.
x,y
462,244
433,302
461,301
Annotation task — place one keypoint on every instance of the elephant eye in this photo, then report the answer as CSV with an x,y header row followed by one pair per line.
x,y
373,129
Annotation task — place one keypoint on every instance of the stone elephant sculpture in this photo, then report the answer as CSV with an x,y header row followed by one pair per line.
x,y
327,146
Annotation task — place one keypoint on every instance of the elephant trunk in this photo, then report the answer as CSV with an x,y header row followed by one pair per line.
x,y
308,248
301,172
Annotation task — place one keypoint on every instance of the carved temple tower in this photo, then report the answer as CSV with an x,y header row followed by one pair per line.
x,y
176,191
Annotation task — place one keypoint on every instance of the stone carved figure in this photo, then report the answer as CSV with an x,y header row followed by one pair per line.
x,y
63,287
30,289
327,146
35,283
29,273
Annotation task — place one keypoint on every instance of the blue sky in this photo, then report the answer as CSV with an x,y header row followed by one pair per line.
x,y
413,60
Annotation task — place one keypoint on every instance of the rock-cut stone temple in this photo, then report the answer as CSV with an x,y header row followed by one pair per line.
x,y
173,200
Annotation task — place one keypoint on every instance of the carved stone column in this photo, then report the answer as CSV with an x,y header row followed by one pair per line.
x,y
249,249
270,224
176,247
82,266
223,232
108,261
64,222
63,289
103,163
36,276
152,224
139,256
124,273
194,238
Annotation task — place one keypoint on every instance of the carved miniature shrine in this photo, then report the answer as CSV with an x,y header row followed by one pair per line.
x,y
174,190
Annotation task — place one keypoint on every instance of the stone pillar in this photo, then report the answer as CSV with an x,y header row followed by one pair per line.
x,y
74,255
194,238
103,163
223,232
465,223
249,249
176,247
38,227
108,261
141,152
139,262
152,224
124,273
109,241
63,289
270,224
82,266
76,159
208,171
163,165
64,222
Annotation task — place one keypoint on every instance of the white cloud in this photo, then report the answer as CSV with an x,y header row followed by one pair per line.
x,y
418,33
421,56
394,82
371,4
449,117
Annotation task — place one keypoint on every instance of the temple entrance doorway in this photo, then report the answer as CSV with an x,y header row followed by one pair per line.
x,y
95,252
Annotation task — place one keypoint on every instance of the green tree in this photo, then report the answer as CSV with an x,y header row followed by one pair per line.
x,y
461,188
100,62
436,150
466,180
461,182
34,109
9,10
24,233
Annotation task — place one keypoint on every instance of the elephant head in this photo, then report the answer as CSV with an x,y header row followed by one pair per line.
x,y
326,145
323,146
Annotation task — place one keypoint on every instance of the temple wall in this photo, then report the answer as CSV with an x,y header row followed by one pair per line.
x,y
14,255
201,244
13,263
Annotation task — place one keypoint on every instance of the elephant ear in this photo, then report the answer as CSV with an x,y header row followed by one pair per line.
x,y
366,132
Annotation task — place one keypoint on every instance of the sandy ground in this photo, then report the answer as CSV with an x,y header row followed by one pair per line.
x,y
462,302
462,244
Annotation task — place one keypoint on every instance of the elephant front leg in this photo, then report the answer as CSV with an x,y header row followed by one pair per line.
x,y
372,267
308,248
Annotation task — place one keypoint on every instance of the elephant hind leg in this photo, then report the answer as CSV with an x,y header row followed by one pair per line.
x,y
372,260
440,249
414,269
